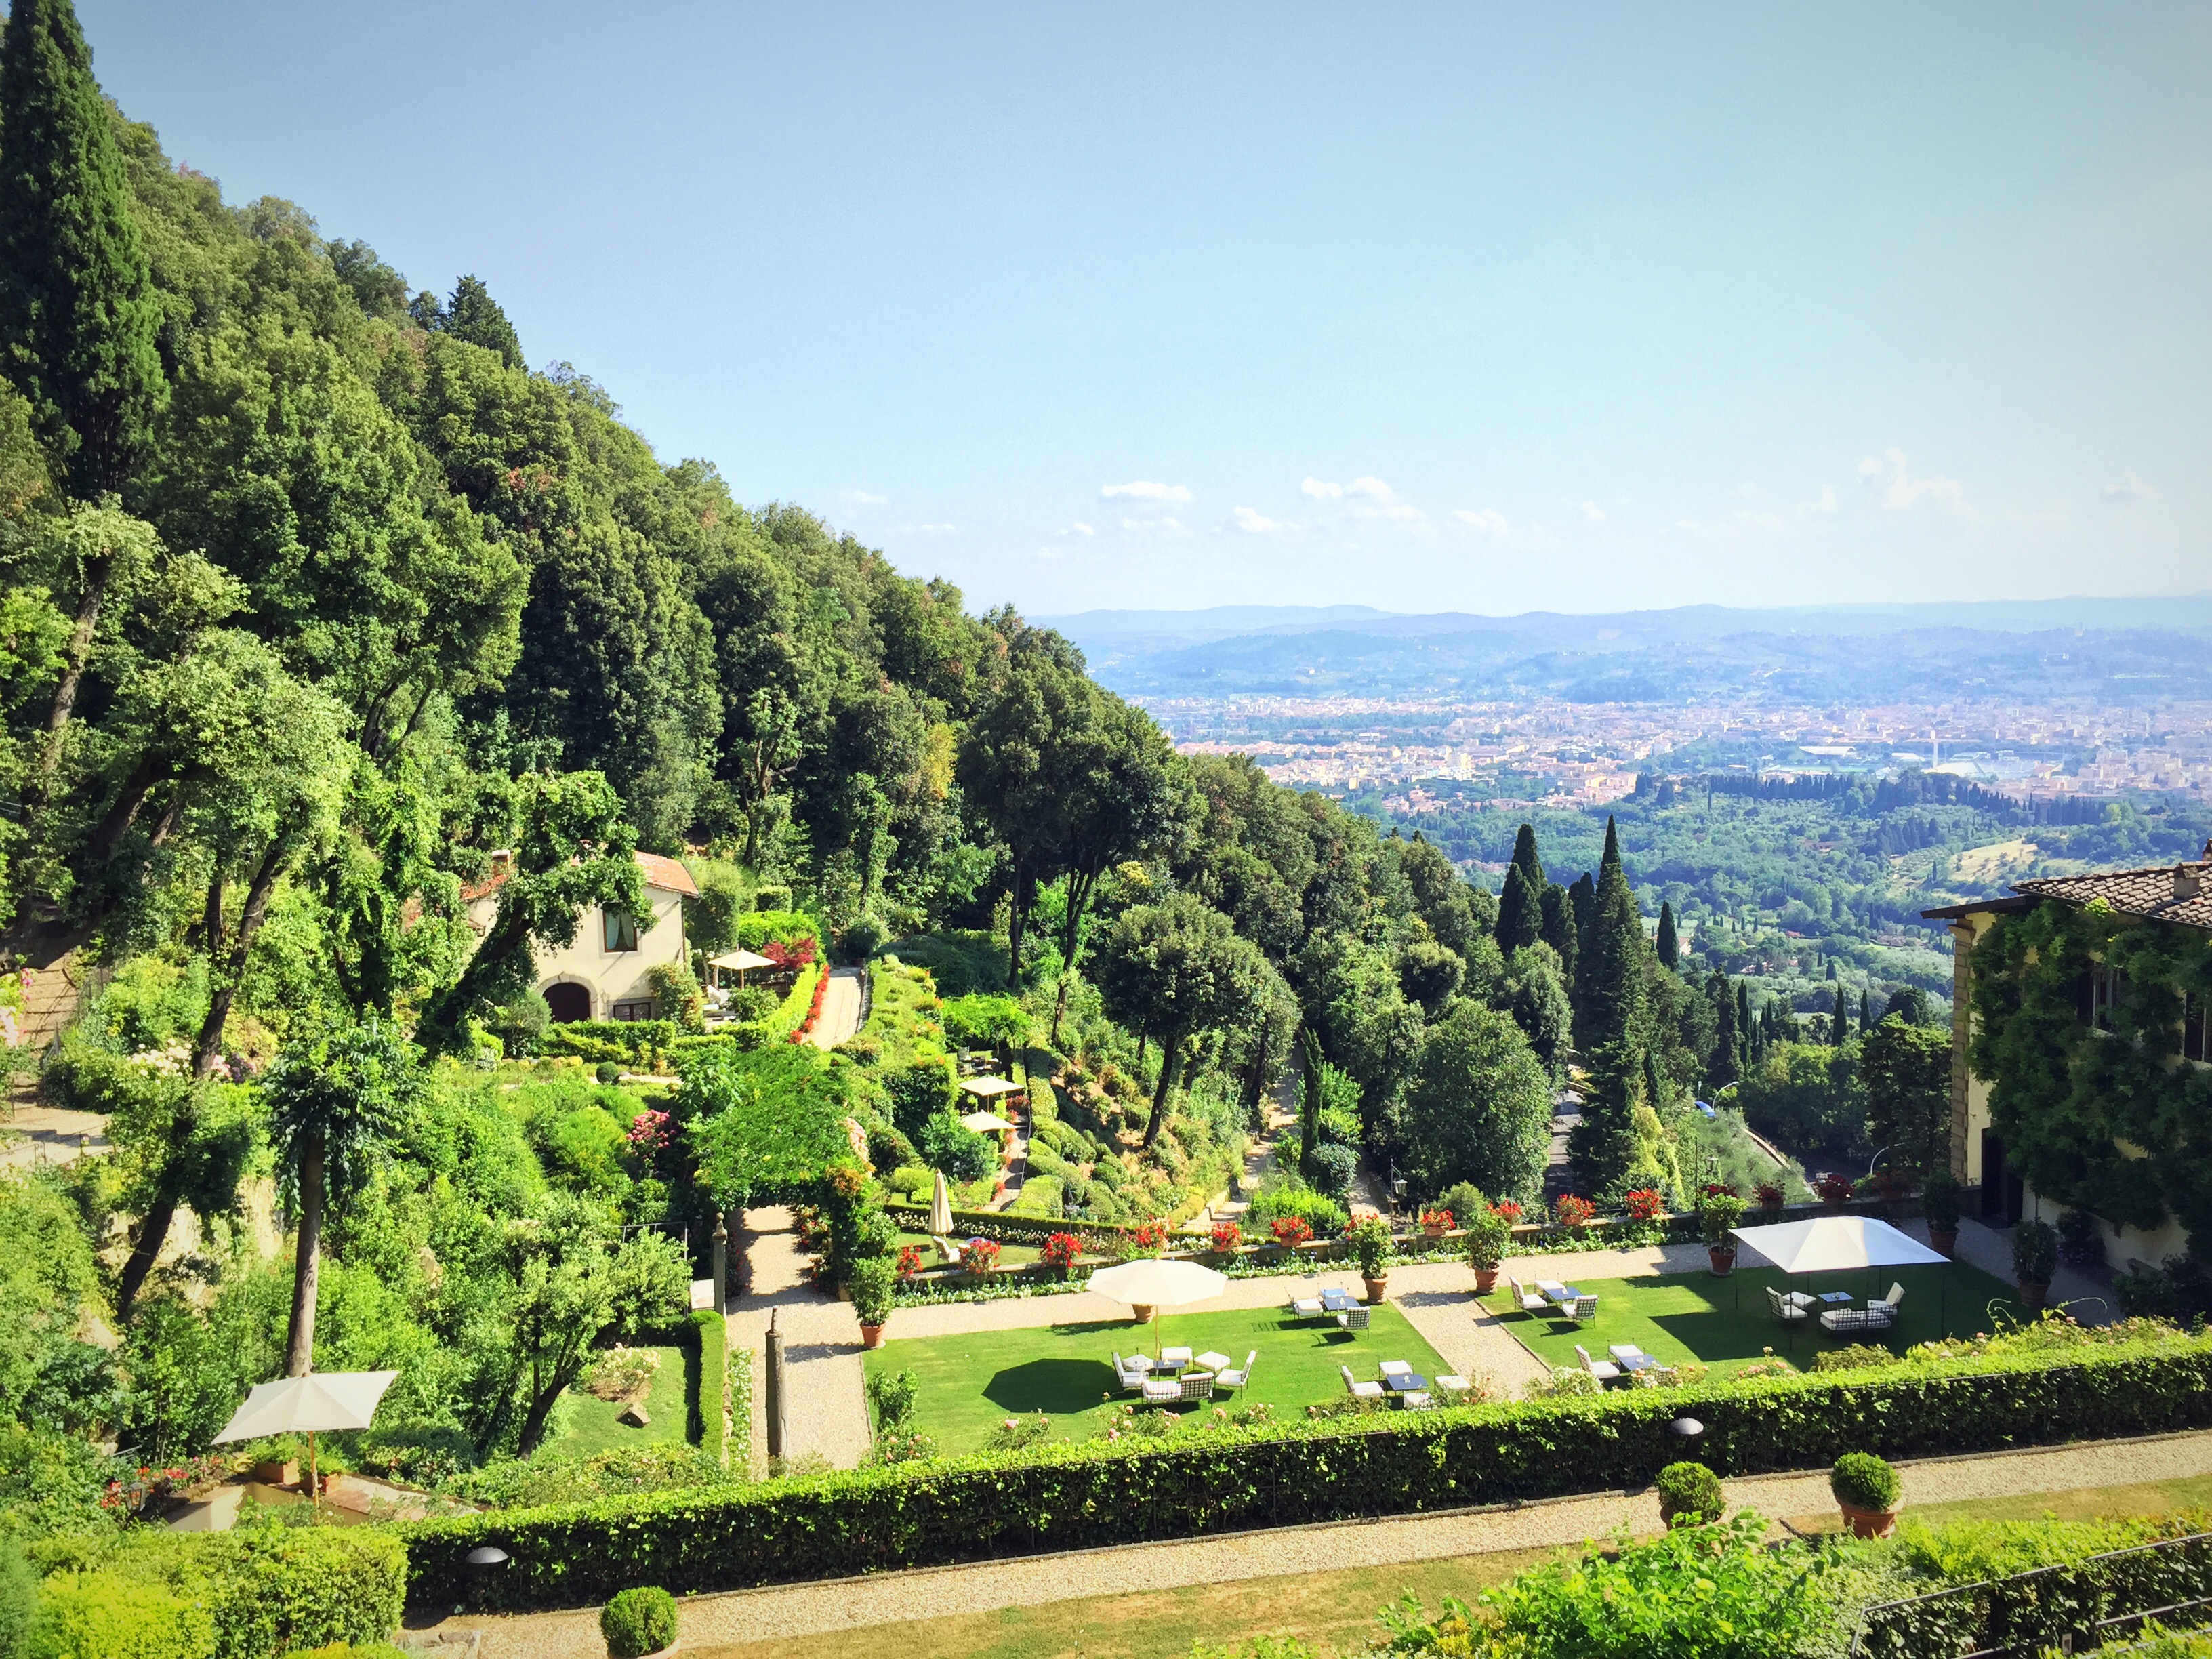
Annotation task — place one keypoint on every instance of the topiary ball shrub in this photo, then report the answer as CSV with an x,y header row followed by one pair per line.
x,y
1689,1495
1862,1481
639,1621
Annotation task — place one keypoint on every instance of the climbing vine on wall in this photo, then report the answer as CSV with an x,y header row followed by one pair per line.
x,y
2061,1094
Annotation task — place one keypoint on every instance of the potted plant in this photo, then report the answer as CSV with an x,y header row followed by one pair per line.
x,y
1060,1252
1290,1232
1835,1190
980,1255
1644,1204
1771,1196
1939,1206
1370,1241
639,1622
2035,1259
873,1281
1866,1489
1227,1239
1718,1215
1487,1234
1435,1224
1573,1211
1689,1495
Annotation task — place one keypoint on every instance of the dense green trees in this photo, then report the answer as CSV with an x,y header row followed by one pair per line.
x,y
1479,1107
1907,1069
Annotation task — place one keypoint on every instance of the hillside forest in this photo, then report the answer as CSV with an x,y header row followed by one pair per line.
x,y
319,605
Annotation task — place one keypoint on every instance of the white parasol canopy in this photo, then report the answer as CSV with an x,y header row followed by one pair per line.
x,y
985,1123
1837,1243
941,1208
741,960
990,1087
315,1403
1154,1284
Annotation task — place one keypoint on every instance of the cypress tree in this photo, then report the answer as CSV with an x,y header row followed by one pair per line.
x,y
1613,972
1612,859
1726,1065
1866,1013
1669,943
471,314
1520,911
1748,1033
78,319
1524,855
1309,1101
1839,1022
1560,933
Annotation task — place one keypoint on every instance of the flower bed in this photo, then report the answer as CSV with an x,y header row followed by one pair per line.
x,y
1087,1495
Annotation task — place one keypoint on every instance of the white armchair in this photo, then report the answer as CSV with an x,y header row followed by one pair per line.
x,y
1529,1301
1604,1370
1360,1390
1237,1378
1129,1377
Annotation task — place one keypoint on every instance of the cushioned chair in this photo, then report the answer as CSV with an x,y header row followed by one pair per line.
x,y
1529,1301
1360,1390
1357,1319
1130,1378
1174,1356
1604,1370
1395,1368
1580,1308
1790,1309
1307,1307
1238,1377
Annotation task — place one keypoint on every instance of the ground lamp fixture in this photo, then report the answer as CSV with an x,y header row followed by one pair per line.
x,y
1687,1427
482,1559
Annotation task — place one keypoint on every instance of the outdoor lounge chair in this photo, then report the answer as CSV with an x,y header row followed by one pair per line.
x,y
1874,1316
1227,1378
1174,1356
1604,1370
1130,1378
1790,1309
1307,1307
1356,1319
1582,1308
1395,1367
1360,1390
1529,1301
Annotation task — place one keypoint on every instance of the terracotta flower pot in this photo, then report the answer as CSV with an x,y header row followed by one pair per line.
x,y
2031,1295
872,1336
1723,1260
1869,1524
1144,1311
1432,1230
1943,1241
1375,1288
1486,1280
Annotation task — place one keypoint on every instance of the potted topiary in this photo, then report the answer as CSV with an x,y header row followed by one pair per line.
x,y
1719,1212
1487,1234
2035,1259
874,1279
1689,1495
1866,1491
1939,1206
1370,1241
639,1622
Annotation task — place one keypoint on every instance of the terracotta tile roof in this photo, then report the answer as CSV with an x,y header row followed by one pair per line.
x,y
2170,892
667,873
473,890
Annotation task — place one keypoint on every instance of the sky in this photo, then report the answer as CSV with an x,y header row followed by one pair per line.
x,y
1462,307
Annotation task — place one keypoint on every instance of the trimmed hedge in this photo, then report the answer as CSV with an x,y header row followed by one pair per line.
x,y
2039,1611
1083,1495
708,1383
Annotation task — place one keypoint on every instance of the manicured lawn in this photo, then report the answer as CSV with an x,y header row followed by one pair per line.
x,y
1727,1323
971,1384
1010,1255
589,1425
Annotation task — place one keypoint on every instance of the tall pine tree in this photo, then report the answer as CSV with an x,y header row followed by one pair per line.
x,y
1727,1063
1669,943
1524,855
1560,932
1840,1020
77,314
1610,1029
1866,1013
1520,911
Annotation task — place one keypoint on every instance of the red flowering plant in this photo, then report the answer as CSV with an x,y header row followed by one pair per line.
x,y
1228,1237
1149,1239
1507,1211
650,1132
907,1268
1720,1189
1437,1219
1292,1230
1770,1194
1060,1252
133,1492
1645,1204
1573,1210
980,1255
1834,1188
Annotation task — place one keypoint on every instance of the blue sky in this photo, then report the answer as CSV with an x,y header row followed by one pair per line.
x,y
1460,307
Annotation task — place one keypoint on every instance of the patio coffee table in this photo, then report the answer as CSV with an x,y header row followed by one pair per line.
x,y
1211,1361
1835,1297
1561,1294
1405,1382
1336,1301
1630,1358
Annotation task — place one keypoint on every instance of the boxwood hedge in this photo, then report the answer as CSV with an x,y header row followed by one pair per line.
x,y
1077,1496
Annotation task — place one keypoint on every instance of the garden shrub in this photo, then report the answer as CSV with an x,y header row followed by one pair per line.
x,y
2078,1243
1041,1196
1855,1357
1864,1481
1331,1169
18,1595
964,1156
638,1621
919,1094
1068,1496
984,1021
104,1615
1317,1209
2034,1252
1689,1494
892,1395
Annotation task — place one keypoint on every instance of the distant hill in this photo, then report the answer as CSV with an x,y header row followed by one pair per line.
x,y
2116,650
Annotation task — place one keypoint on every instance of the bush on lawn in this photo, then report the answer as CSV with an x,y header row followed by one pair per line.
x,y
638,1621
1073,1496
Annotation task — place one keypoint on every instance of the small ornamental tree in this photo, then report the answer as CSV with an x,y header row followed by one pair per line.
x,y
1719,1215
1488,1232
1689,1495
1370,1241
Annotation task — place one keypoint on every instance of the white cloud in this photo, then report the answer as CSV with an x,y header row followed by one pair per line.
x,y
1253,523
1143,489
1906,491
1593,512
1824,503
2132,489
1373,489
1488,522
1321,490
1739,524
862,498
1080,528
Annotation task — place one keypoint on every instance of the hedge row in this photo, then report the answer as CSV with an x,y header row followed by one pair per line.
x,y
1080,1496
2055,1609
706,1400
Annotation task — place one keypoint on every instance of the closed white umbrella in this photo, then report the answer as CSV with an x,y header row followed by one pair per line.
x,y
1155,1285
309,1405
941,1208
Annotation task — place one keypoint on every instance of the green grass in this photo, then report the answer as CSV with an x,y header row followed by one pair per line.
x,y
1727,1323
588,1425
971,1384
1010,1255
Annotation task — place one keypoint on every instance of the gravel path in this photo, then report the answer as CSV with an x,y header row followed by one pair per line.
x,y
826,1410
711,1623
840,1009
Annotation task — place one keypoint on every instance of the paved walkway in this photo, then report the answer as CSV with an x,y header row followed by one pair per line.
x,y
826,1410
840,1009
32,1134
713,1623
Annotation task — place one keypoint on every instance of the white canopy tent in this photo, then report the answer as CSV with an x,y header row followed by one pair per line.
x,y
738,962
985,1123
989,1088
1842,1243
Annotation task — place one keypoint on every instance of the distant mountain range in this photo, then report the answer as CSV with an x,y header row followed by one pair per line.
x,y
2127,651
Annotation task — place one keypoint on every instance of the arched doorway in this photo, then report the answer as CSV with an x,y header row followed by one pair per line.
x,y
568,1003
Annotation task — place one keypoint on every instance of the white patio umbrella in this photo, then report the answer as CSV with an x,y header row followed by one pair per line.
x,y
941,1208
741,960
985,1123
989,1088
1839,1243
315,1403
1155,1285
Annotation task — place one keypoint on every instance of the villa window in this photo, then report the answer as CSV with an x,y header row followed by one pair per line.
x,y
627,1011
2193,1036
2102,987
621,929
